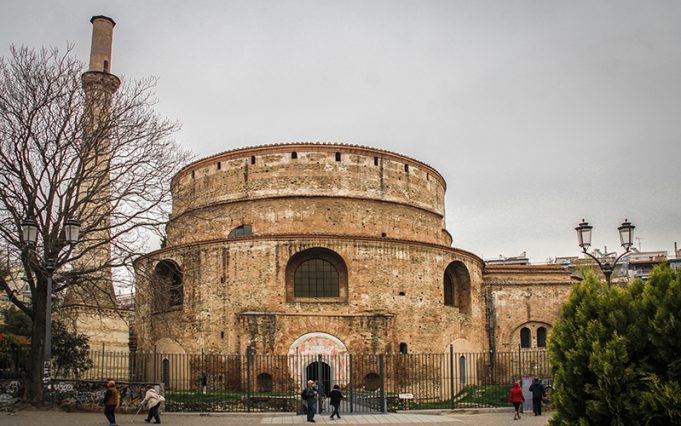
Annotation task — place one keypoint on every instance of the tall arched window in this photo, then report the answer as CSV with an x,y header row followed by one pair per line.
x,y
315,274
457,286
316,278
168,285
462,370
165,372
525,338
541,337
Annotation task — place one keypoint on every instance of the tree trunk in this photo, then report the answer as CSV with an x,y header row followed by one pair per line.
x,y
35,385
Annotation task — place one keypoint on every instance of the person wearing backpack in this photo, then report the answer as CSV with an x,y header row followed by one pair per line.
x,y
309,395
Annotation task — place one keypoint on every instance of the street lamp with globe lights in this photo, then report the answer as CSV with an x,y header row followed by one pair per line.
x,y
626,231
29,230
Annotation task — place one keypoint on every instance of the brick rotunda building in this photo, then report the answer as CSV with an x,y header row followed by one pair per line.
x,y
327,249
281,248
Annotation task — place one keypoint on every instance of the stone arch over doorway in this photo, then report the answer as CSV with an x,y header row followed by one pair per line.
x,y
321,357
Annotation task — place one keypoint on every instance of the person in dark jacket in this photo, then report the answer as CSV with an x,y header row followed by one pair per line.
x,y
309,395
538,390
517,398
335,399
110,402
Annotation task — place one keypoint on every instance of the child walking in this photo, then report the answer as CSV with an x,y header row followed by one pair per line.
x,y
335,398
517,398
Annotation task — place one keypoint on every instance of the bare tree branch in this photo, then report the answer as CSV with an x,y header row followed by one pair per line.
x,y
71,147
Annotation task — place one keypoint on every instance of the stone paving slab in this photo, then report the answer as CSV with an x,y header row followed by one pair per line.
x,y
361,419
59,418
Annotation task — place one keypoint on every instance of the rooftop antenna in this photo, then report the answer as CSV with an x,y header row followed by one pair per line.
x,y
638,240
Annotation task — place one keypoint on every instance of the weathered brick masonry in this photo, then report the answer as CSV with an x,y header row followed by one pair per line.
x,y
243,221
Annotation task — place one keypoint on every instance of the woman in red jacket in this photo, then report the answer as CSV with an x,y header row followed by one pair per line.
x,y
517,398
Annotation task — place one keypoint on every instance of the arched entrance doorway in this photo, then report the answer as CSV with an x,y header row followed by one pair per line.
x,y
320,357
320,372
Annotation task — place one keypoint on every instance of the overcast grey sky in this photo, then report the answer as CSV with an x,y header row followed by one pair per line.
x,y
537,113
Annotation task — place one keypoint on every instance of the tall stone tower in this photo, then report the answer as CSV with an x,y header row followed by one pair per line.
x,y
99,86
92,309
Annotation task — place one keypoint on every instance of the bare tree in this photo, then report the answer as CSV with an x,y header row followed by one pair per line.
x,y
104,157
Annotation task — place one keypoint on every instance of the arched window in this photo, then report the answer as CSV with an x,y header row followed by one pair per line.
x,y
241,231
403,348
372,382
462,370
165,372
168,285
316,278
263,383
525,338
457,286
541,337
314,274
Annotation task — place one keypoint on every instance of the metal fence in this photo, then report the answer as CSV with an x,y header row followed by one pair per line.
x,y
369,382
14,364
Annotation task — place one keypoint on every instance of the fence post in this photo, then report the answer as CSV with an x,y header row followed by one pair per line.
x,y
520,363
451,374
350,382
102,361
249,354
384,403
320,381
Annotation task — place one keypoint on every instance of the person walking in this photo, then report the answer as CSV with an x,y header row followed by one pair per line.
x,y
110,402
153,400
335,399
309,395
538,390
517,398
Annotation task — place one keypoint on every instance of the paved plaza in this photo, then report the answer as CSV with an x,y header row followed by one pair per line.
x,y
58,418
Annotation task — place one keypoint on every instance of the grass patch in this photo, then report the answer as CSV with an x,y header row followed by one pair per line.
x,y
470,396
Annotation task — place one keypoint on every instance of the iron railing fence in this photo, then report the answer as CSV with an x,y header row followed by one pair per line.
x,y
14,363
369,382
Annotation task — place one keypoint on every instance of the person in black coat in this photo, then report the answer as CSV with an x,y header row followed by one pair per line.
x,y
335,399
538,390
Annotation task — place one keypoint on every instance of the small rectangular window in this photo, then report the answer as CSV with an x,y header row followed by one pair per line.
x,y
406,168
219,165
294,155
375,161
252,159
338,156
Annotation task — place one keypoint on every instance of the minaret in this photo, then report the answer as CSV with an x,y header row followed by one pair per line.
x,y
94,191
91,307
102,40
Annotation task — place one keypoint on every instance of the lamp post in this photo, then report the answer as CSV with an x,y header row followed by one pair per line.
x,y
626,231
29,229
